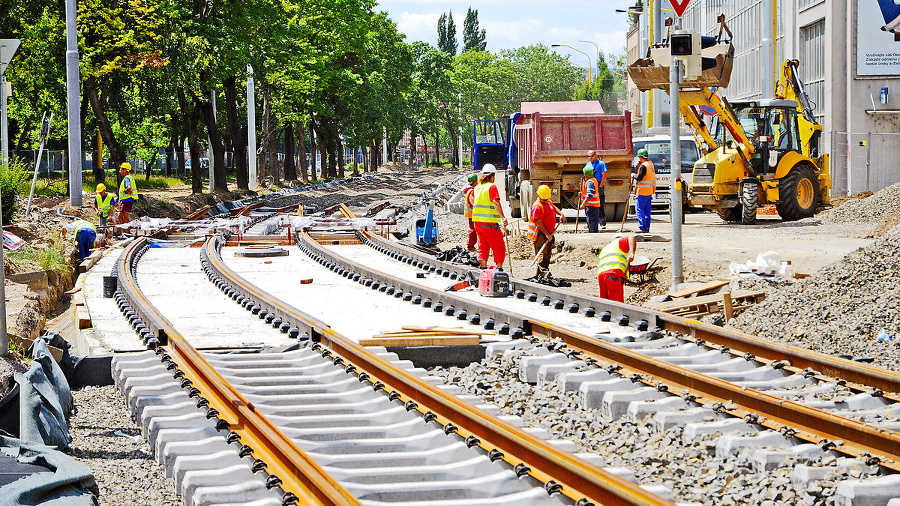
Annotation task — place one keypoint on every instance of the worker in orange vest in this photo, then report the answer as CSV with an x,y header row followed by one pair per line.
x,y
541,227
644,188
469,198
592,195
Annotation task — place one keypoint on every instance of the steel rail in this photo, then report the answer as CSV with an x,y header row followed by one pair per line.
x,y
559,470
859,377
817,426
299,475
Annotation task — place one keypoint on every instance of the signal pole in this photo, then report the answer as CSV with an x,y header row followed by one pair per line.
x,y
676,190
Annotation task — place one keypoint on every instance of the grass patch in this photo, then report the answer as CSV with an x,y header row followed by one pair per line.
x,y
52,257
112,185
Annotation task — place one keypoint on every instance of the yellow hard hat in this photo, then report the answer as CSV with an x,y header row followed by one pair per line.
x,y
126,166
543,191
101,188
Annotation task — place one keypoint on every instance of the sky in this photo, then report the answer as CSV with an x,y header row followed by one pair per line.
x,y
511,24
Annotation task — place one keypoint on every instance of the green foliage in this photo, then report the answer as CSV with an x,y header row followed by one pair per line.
x,y
474,38
608,86
14,181
48,257
447,34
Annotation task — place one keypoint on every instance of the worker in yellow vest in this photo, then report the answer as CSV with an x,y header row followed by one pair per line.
x,y
612,267
84,235
127,194
469,198
542,226
644,188
104,204
487,214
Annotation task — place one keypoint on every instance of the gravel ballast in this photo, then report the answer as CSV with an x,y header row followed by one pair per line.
x,y
122,465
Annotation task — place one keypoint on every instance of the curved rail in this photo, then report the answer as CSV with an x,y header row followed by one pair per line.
x,y
301,478
559,470
820,427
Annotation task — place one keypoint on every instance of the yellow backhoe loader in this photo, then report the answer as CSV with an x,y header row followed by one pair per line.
x,y
763,151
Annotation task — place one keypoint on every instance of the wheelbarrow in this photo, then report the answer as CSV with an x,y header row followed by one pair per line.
x,y
643,268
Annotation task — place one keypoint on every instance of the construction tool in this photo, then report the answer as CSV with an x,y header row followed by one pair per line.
x,y
470,280
578,215
508,255
625,214
539,253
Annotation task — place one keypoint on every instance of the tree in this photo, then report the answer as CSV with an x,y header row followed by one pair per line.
x,y
447,34
608,87
473,37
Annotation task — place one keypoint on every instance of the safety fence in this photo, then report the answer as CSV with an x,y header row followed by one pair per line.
x,y
873,159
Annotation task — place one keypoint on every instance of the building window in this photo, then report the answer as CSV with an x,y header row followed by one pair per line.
x,y
812,66
806,3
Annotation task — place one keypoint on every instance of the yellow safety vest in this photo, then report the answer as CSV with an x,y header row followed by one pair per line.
x,y
79,226
647,186
124,196
104,205
612,257
484,210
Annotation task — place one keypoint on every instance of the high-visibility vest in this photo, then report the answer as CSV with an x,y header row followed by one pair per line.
x,y
104,204
647,186
532,226
79,226
469,197
592,201
124,196
484,211
612,257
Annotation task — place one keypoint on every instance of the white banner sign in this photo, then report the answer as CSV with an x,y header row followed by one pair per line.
x,y
877,50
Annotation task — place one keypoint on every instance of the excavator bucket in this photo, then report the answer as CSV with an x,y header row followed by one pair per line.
x,y
653,71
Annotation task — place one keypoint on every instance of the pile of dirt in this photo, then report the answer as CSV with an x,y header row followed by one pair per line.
x,y
872,209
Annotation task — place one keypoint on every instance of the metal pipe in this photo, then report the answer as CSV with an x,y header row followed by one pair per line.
x,y
45,131
73,89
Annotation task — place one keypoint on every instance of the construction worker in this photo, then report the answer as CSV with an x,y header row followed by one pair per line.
x,y
612,267
592,194
127,194
469,198
542,226
487,215
104,203
84,235
644,188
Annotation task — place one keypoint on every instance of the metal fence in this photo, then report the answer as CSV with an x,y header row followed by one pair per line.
x,y
866,161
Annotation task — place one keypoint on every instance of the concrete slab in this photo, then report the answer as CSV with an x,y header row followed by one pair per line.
x,y
873,492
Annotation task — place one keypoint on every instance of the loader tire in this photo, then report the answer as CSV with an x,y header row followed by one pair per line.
x,y
749,202
729,213
798,194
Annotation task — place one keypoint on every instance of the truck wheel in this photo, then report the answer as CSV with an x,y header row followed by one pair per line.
x,y
526,199
729,213
798,194
749,202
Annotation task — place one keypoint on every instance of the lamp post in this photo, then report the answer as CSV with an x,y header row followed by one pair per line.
x,y
596,54
590,74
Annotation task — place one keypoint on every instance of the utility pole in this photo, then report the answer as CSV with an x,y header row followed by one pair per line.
x,y
73,93
459,131
212,158
675,164
7,50
251,129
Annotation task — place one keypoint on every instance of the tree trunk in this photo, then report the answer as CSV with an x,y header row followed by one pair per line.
x,y
312,149
339,153
215,141
290,170
437,147
151,165
323,151
268,134
237,133
192,119
99,106
413,147
425,149
304,172
374,156
355,158
179,154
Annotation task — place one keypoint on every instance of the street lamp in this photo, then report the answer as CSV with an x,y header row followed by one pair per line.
x,y
596,54
590,74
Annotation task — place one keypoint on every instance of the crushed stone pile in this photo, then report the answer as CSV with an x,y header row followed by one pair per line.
x,y
885,203
841,309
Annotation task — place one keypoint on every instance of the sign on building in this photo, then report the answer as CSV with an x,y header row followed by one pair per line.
x,y
877,48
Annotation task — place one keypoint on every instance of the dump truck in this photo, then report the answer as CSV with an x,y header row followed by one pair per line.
x,y
761,152
547,143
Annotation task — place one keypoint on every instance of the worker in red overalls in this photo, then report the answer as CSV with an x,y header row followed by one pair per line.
x,y
488,216
542,226
612,267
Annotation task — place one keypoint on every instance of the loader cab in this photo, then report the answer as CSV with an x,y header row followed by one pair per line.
x,y
771,126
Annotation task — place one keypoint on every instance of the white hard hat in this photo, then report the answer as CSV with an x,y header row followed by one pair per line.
x,y
488,169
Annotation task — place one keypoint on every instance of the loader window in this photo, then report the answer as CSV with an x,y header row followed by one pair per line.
x,y
783,125
753,122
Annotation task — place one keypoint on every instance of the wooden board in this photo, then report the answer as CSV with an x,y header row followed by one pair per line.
x,y
460,340
709,285
449,330
708,304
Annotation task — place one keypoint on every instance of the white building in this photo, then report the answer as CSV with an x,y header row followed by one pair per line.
x,y
850,66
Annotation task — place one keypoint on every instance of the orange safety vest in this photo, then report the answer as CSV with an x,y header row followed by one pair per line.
x,y
469,192
647,186
532,226
592,201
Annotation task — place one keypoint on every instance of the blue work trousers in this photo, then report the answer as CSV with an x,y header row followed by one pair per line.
x,y
642,208
85,239
593,218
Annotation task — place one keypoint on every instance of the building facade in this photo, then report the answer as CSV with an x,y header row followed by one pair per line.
x,y
848,63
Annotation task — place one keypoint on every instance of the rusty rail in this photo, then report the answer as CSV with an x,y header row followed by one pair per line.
x,y
300,476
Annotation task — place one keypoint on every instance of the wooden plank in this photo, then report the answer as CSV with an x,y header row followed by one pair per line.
x,y
198,213
709,285
82,317
739,295
452,330
728,307
460,340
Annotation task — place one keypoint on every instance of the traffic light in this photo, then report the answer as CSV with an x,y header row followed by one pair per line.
x,y
687,46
